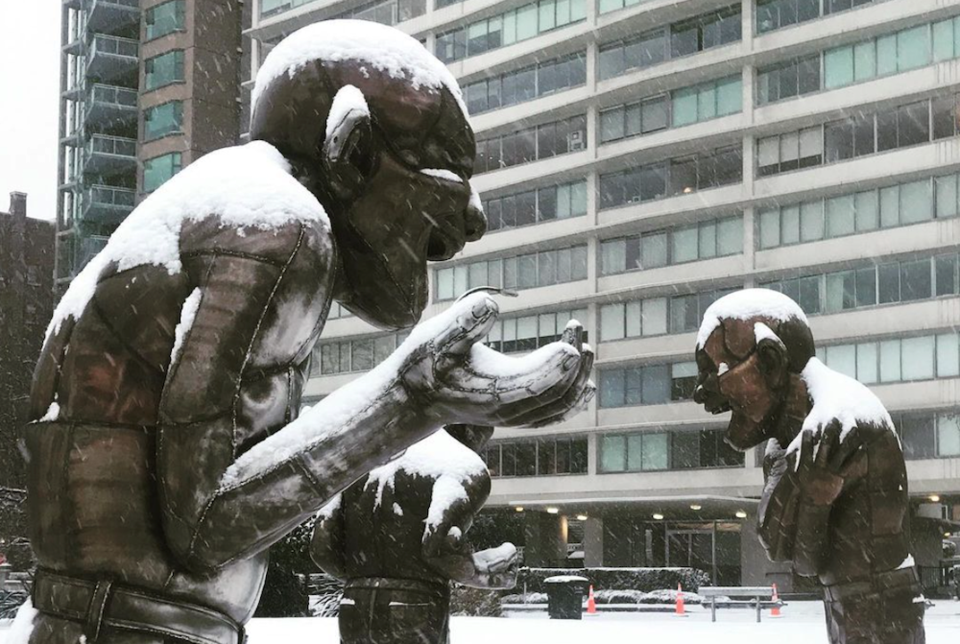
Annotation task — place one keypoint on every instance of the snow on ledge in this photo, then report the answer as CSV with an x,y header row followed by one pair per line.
x,y
746,304
384,48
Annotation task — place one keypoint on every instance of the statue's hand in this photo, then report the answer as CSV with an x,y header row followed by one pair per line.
x,y
458,380
821,461
497,567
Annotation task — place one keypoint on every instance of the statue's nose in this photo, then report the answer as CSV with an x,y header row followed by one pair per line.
x,y
474,221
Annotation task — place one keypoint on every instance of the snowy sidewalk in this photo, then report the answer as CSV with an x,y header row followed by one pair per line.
x,y
802,624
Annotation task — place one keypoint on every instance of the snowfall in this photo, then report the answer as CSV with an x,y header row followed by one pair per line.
x,y
801,623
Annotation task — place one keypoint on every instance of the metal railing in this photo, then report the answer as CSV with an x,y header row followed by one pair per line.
x,y
113,95
114,45
110,196
113,145
130,4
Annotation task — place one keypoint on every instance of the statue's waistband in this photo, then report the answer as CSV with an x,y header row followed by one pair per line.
x,y
880,583
98,603
394,583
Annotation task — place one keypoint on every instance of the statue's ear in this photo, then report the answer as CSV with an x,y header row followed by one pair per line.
x,y
773,360
347,152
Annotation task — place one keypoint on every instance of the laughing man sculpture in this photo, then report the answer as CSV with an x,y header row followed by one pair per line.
x,y
835,498
166,454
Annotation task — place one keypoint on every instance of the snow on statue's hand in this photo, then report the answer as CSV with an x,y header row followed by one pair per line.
x,y
460,380
822,457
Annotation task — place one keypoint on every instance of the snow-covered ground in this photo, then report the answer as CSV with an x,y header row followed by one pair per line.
x,y
802,623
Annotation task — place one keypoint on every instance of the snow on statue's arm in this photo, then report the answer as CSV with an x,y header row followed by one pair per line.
x,y
223,508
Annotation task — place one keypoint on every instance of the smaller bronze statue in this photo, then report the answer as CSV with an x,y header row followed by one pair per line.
x,y
397,537
835,499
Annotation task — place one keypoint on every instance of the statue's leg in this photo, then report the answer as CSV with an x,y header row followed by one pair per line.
x,y
408,616
356,610
52,630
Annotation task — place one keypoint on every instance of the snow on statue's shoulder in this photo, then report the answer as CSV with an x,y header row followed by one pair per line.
x,y
746,304
382,47
245,187
838,397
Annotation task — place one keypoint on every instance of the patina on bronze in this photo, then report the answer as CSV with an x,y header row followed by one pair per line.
x,y
138,537
836,509
397,578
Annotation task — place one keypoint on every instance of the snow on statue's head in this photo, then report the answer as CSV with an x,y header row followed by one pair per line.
x,y
751,345
376,128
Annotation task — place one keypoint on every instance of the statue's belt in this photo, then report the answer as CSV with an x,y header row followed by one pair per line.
x,y
881,583
393,583
104,603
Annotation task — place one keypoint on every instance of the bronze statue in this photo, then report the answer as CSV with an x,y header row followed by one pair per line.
x,y
397,538
167,454
835,499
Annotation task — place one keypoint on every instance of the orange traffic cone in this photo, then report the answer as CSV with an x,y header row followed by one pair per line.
x,y
680,611
591,603
775,611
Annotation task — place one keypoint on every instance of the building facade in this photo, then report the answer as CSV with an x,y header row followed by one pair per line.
x,y
147,87
26,305
648,156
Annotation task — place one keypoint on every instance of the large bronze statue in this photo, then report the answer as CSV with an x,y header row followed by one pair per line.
x,y
166,454
397,537
835,497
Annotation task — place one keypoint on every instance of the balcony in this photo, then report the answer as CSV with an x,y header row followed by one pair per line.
x,y
109,104
110,57
107,154
104,207
89,247
105,16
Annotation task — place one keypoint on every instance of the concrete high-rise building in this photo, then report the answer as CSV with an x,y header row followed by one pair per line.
x,y
147,87
648,156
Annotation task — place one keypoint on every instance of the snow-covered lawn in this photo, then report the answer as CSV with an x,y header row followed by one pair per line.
x,y
802,624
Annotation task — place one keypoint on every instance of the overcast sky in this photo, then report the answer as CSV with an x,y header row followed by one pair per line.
x,y
29,85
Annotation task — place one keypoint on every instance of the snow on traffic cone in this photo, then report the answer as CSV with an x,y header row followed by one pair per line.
x,y
591,603
680,611
775,611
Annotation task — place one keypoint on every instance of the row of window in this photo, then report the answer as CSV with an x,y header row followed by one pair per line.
x,y
162,120
387,12
671,450
859,135
674,177
507,28
705,240
777,14
163,19
675,109
930,435
159,170
163,69
545,456
896,360
656,315
349,356
526,84
536,206
531,332
890,54
899,205
679,39
531,144
524,271
647,385
889,283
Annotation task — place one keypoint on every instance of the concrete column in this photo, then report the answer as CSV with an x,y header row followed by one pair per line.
x,y
593,542
545,538
747,15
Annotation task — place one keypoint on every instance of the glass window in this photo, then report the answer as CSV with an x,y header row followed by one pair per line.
x,y
611,322
811,221
159,170
838,67
729,95
867,207
163,69
654,250
613,450
684,107
655,454
916,201
841,218
913,48
915,280
685,244
163,19
918,358
948,355
890,361
162,119
656,384
864,61
946,275
655,316
730,236
948,435
919,436
946,188
867,363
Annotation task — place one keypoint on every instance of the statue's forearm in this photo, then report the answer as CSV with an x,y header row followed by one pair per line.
x,y
290,475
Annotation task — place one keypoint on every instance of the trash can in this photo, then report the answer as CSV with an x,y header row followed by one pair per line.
x,y
565,596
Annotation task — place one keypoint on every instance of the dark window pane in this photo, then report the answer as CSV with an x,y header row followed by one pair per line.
x,y
526,208
578,456
611,190
546,457
709,456
508,459
656,384
866,279
683,176
915,280
611,62
547,203
653,182
684,39
729,166
886,131
919,436
788,81
914,124
612,384
889,276
944,117
947,275
653,48
809,75
686,450
526,459
863,138
809,294
839,141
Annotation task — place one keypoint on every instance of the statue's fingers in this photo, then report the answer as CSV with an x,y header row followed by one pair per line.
x,y
467,322
806,448
589,391
829,441
573,334
845,449
570,401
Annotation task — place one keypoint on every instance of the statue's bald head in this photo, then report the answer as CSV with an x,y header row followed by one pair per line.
x,y
750,344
